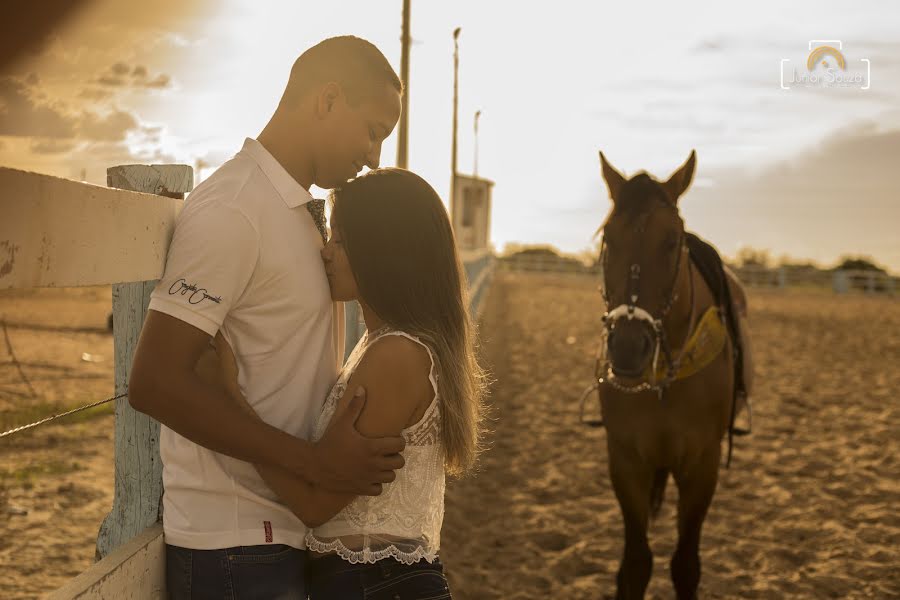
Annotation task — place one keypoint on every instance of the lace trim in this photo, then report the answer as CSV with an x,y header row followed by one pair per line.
x,y
369,556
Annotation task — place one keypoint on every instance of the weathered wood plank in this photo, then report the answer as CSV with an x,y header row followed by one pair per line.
x,y
138,477
162,180
134,571
60,233
138,474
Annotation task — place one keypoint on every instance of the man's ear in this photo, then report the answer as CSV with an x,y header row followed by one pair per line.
x,y
327,98
614,179
680,180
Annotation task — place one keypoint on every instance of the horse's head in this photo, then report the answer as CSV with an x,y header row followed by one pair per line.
x,y
642,251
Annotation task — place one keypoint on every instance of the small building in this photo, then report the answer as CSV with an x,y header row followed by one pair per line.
x,y
471,217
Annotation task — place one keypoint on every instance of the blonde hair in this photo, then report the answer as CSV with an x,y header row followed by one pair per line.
x,y
403,255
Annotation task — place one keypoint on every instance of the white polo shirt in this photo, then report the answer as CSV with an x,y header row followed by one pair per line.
x,y
245,258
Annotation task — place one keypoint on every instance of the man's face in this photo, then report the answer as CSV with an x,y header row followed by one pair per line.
x,y
351,135
341,281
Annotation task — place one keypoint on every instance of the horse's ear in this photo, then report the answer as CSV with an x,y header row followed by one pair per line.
x,y
613,178
681,179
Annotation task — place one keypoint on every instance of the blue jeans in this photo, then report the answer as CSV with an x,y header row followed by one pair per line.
x,y
333,578
240,573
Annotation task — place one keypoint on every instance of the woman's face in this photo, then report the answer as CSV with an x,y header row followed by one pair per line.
x,y
341,281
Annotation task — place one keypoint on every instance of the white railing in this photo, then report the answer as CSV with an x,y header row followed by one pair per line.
x,y
840,281
546,263
60,233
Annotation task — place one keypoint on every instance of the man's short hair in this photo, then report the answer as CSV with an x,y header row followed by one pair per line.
x,y
354,63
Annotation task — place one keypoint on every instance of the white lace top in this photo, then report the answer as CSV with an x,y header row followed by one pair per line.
x,y
404,522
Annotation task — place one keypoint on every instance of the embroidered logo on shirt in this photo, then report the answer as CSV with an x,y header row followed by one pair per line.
x,y
267,525
197,295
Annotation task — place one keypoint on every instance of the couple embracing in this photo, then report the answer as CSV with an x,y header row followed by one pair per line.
x,y
287,474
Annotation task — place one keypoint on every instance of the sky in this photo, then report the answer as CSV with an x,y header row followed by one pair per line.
x,y
807,172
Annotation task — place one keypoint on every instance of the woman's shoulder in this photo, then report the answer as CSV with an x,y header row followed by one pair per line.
x,y
397,353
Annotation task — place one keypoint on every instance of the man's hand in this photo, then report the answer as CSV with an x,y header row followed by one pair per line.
x,y
346,461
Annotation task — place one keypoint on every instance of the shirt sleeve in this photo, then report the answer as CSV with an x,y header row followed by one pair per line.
x,y
211,259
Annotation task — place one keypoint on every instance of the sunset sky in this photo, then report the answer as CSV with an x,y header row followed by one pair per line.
x,y
806,172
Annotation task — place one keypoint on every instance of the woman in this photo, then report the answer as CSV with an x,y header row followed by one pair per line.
x,y
392,249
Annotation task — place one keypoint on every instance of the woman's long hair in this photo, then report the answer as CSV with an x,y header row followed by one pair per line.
x,y
402,252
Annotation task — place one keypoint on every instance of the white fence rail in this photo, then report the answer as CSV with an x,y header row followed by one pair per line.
x,y
840,281
546,263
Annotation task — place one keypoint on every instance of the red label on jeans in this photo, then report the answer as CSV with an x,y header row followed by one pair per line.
x,y
268,527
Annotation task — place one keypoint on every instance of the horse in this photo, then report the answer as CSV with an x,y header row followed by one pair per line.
x,y
668,387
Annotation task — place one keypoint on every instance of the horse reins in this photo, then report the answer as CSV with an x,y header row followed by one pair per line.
x,y
630,310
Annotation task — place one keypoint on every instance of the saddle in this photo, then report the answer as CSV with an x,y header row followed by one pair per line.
x,y
723,284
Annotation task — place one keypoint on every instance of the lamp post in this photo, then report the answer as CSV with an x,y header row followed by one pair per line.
x,y
403,129
455,104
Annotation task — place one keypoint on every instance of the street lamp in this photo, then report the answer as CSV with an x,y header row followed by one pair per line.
x,y
455,104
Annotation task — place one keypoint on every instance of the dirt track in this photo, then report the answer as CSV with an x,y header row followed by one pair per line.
x,y
808,510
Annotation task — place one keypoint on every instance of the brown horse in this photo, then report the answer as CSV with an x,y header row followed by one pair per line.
x,y
661,416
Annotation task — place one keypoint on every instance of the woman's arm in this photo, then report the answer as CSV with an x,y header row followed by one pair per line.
x,y
394,373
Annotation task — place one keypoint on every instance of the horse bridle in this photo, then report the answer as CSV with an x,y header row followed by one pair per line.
x,y
630,310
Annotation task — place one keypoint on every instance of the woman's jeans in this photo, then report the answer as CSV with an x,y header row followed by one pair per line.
x,y
331,577
240,573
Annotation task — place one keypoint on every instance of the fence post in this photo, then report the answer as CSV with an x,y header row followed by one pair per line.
x,y
353,330
138,478
840,283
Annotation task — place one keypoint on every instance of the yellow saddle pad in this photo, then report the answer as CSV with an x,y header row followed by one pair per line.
x,y
702,347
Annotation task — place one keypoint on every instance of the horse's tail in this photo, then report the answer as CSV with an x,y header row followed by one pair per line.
x,y
658,491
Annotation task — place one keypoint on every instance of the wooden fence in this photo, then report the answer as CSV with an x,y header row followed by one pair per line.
x,y
60,233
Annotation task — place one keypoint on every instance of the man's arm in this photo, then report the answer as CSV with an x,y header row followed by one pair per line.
x,y
163,385
394,375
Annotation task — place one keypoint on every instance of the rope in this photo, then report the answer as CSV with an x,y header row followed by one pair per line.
x,y
59,416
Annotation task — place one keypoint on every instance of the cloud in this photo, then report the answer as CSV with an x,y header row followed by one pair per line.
x,y
52,146
837,196
21,115
110,127
25,112
119,153
94,94
121,74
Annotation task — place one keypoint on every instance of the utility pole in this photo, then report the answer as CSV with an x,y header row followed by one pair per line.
x,y
403,130
475,166
455,103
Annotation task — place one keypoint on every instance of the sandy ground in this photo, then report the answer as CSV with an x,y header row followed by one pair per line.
x,y
56,481
808,509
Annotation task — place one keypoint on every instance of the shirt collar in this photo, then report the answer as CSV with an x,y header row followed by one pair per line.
x,y
287,187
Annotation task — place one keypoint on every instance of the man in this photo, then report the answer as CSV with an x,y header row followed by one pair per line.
x,y
245,260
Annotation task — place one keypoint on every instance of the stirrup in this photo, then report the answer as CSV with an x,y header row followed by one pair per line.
x,y
591,421
740,431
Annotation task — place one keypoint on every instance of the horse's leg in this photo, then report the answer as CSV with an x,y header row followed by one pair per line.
x,y
696,487
632,480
